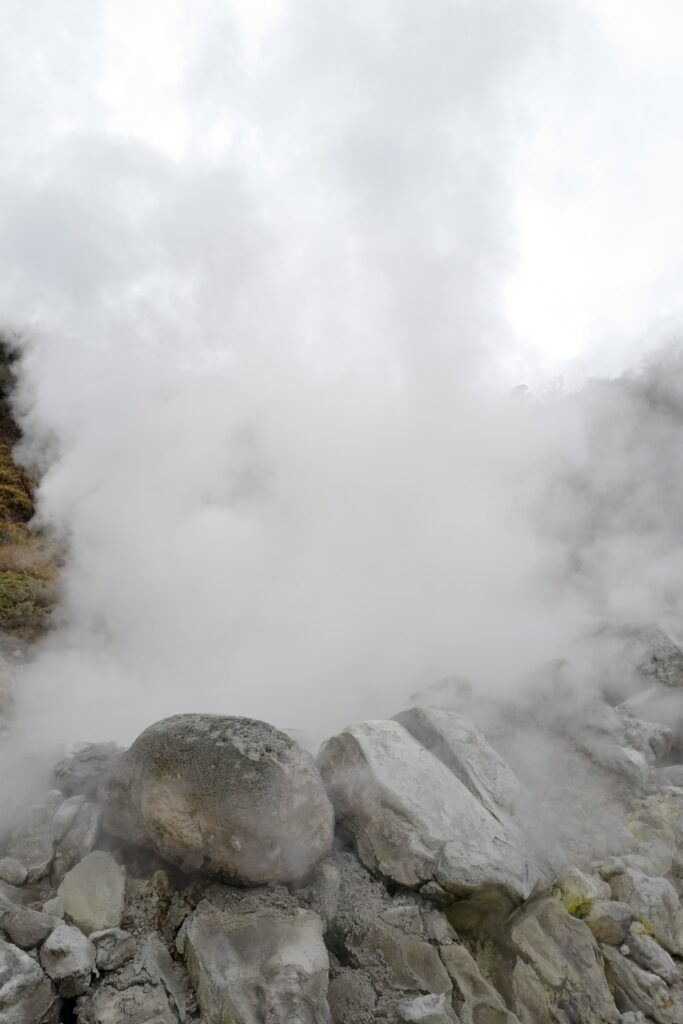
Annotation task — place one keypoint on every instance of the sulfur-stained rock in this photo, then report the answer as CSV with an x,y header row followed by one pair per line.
x,y
92,894
609,921
655,904
229,796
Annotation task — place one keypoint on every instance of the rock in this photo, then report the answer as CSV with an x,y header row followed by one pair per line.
x,y
637,989
673,774
651,957
413,819
12,871
560,966
654,654
473,997
26,927
35,852
82,769
257,956
35,817
26,994
65,816
79,840
609,921
231,796
92,894
427,1010
466,752
114,948
578,891
69,959
655,904
149,989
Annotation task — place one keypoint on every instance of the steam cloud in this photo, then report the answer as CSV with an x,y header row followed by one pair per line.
x,y
267,370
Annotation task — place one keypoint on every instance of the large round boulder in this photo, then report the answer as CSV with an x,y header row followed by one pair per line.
x,y
230,796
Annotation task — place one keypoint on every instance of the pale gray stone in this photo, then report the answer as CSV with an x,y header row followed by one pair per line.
x,y
257,958
82,768
79,839
655,904
231,796
12,871
647,952
26,927
637,989
114,947
414,820
65,816
26,995
92,893
68,957
35,852
431,1009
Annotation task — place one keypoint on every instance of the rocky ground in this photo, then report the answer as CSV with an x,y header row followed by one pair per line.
x,y
480,861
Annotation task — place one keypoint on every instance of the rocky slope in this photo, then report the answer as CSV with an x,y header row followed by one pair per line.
x,y
200,875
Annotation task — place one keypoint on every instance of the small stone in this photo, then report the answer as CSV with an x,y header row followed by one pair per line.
x,y
36,853
68,957
92,893
609,921
12,871
114,947
25,927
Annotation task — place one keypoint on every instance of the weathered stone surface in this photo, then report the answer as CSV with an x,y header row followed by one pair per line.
x,y
114,948
647,952
257,956
673,774
231,796
81,770
351,996
35,852
65,816
655,904
79,839
609,921
636,989
414,820
149,989
12,871
473,997
564,957
427,1010
92,894
26,994
26,927
579,891
68,957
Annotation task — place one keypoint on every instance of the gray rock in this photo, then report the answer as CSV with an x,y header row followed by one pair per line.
x,y
149,989
81,770
35,852
413,819
12,871
65,816
257,956
114,948
561,967
26,994
68,957
641,990
427,1010
34,817
579,891
231,796
655,655
673,774
651,957
655,904
474,998
351,997
92,894
79,840
26,927
609,921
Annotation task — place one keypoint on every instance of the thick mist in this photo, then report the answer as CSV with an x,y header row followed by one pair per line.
x,y
267,374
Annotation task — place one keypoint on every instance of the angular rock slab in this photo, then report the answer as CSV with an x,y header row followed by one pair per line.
x,y
26,994
559,965
231,796
92,894
414,820
68,957
256,959
655,904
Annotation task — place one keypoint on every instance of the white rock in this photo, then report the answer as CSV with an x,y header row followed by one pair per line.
x,y
68,957
92,894
26,994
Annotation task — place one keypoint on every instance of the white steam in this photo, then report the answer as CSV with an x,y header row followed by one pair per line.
x,y
260,259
